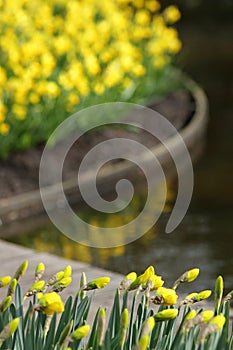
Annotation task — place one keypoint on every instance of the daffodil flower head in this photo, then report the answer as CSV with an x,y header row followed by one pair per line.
x,y
165,296
4,281
219,321
128,279
97,283
80,332
166,315
142,279
50,303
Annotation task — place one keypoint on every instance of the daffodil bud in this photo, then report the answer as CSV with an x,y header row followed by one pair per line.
x,y
12,287
8,330
190,315
67,271
206,315
55,278
166,315
4,281
202,317
148,326
143,343
218,294
101,326
5,303
219,321
64,339
83,282
205,294
215,325
188,276
80,332
21,270
128,279
35,288
124,326
62,284
39,271
97,283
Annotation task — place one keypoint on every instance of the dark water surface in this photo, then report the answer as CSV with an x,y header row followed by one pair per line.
x,y
205,237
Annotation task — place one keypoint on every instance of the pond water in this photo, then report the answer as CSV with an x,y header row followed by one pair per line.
x,y
204,238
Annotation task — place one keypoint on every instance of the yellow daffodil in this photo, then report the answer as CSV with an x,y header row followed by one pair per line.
x,y
165,315
97,283
80,332
50,303
165,296
4,281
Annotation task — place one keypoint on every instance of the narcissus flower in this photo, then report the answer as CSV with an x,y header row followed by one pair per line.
x,y
97,283
156,282
4,281
142,279
165,296
5,303
219,321
128,280
188,276
39,271
165,315
35,288
190,315
80,332
21,270
50,303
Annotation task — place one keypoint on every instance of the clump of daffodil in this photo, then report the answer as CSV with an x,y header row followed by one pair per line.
x,y
50,303
164,296
203,317
53,59
196,297
215,325
97,283
187,276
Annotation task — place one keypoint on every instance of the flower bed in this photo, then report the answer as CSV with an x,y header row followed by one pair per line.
x,y
58,57
141,326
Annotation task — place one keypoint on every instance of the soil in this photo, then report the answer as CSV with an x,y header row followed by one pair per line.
x,y
19,173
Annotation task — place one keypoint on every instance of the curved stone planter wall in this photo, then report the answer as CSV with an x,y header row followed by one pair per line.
x,y
193,134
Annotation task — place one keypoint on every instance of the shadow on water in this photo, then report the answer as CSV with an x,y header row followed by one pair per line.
x,y
204,238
